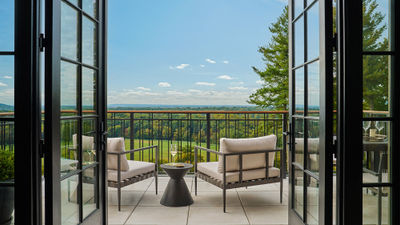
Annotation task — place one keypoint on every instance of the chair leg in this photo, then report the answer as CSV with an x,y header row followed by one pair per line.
x,y
119,199
156,180
281,190
195,184
224,199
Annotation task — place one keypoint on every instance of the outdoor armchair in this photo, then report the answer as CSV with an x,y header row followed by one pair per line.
x,y
241,163
123,172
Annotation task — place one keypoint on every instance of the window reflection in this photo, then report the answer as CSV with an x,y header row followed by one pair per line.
x,y
89,42
69,32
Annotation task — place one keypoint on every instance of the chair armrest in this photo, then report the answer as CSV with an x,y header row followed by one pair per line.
x,y
250,152
207,150
365,170
134,150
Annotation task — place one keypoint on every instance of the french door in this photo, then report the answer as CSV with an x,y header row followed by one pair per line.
x,y
75,111
310,112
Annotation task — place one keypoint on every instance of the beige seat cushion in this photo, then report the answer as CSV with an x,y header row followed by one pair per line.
x,y
116,145
251,161
135,168
211,169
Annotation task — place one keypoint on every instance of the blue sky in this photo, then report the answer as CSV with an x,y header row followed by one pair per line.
x,y
196,52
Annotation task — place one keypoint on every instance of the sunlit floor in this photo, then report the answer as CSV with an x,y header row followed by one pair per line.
x,y
254,205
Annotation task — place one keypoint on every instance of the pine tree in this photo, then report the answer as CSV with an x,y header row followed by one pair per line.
x,y
274,92
375,68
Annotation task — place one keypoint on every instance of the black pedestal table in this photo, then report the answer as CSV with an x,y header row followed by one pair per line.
x,y
176,192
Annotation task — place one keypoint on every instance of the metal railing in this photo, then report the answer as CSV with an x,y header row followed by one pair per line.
x,y
186,129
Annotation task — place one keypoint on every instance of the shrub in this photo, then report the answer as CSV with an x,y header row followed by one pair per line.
x,y
6,165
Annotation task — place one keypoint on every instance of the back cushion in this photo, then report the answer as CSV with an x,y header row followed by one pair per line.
x,y
116,145
87,145
250,161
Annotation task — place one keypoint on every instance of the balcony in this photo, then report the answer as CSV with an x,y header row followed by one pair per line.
x,y
254,205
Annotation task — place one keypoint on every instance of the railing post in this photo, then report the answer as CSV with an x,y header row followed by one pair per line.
x,y
284,152
208,133
131,135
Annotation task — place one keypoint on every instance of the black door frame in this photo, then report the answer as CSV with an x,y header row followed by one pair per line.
x,y
53,115
27,114
326,146
350,113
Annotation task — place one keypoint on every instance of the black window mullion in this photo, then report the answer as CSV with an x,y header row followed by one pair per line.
x,y
80,123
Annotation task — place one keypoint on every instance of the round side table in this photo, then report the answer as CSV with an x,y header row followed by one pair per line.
x,y
176,192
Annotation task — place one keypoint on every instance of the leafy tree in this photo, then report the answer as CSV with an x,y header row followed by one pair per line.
x,y
375,68
274,92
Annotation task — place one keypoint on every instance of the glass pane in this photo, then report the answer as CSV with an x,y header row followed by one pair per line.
x,y
313,32
298,200
312,200
376,96
299,42
74,2
7,25
69,32
89,42
89,141
69,73
88,91
376,157
376,205
298,7
313,89
375,25
90,7
299,141
6,85
299,90
89,195
313,145
69,146
69,201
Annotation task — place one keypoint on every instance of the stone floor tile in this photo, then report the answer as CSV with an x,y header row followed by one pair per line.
x,y
262,198
267,214
119,217
215,215
159,215
214,199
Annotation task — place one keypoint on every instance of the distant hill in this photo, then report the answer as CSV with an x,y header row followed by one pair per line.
x,y
181,107
6,108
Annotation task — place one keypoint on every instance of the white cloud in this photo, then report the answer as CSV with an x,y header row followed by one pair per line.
x,y
202,66
164,84
7,77
189,97
225,77
177,93
225,62
260,82
3,84
179,67
205,84
182,66
210,61
239,88
143,89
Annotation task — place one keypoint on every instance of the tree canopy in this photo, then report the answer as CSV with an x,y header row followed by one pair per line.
x,y
274,92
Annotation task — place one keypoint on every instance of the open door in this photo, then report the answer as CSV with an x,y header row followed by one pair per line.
x,y
310,116
75,112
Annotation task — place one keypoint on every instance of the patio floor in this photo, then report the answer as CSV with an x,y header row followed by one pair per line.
x,y
254,205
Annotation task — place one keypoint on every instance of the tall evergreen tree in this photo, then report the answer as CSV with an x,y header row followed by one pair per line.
x,y
375,68
274,92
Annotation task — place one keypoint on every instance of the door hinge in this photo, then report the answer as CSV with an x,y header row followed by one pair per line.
x,y
42,42
41,148
335,42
